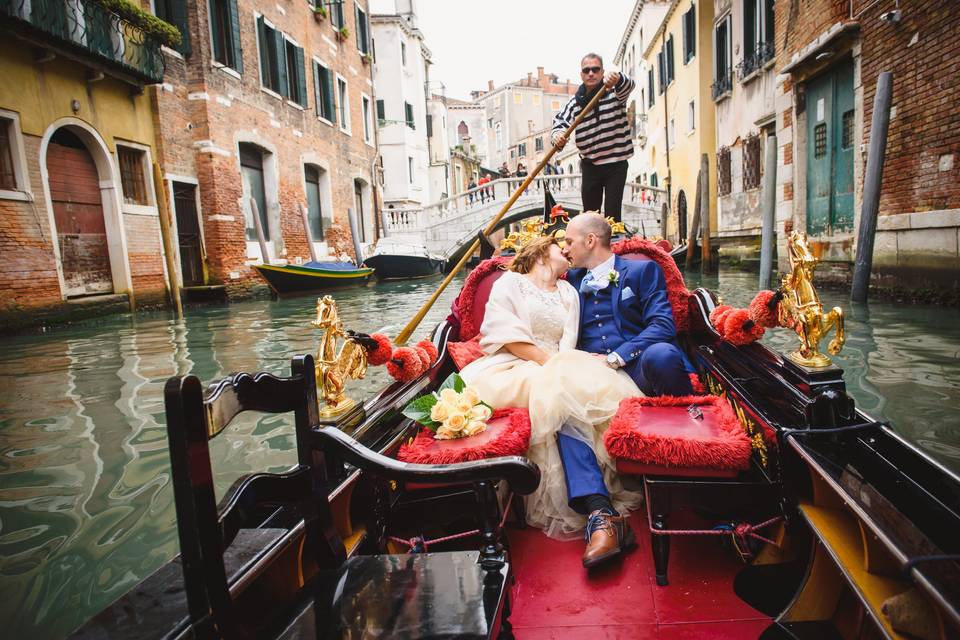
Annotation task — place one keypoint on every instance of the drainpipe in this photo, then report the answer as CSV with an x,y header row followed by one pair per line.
x,y
378,231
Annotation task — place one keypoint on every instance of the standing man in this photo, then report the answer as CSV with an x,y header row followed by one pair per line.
x,y
603,138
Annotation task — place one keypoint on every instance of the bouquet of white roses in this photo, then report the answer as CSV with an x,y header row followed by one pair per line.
x,y
453,411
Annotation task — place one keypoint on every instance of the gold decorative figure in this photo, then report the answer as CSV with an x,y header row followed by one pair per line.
x,y
801,310
333,367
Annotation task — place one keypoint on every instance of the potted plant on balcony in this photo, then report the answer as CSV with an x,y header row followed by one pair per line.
x,y
319,12
343,33
366,58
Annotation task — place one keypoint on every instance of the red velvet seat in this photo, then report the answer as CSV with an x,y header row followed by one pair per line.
x,y
507,434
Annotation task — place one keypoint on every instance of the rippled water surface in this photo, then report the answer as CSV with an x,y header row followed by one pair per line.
x,y
86,507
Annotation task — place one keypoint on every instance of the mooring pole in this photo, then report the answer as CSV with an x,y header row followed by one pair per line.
x,y
706,262
879,125
163,209
767,234
695,223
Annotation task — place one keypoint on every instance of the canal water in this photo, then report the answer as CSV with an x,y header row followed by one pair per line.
x,y
86,506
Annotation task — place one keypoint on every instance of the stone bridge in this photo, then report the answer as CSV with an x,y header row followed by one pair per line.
x,y
450,224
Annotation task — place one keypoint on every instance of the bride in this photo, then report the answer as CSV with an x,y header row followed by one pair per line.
x,y
529,335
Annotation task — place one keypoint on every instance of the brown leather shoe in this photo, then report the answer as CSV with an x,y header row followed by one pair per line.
x,y
607,536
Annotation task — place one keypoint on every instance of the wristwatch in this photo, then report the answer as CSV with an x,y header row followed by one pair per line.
x,y
613,360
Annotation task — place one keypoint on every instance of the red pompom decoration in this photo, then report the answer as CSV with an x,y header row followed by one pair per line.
x,y
763,309
404,364
382,353
430,348
739,329
664,244
717,316
424,357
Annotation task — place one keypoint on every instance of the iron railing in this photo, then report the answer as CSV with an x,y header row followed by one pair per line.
x,y
88,28
754,61
722,86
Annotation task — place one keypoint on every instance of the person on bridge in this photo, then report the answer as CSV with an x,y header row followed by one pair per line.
x,y
603,138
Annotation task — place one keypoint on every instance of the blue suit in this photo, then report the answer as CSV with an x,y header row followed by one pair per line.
x,y
631,317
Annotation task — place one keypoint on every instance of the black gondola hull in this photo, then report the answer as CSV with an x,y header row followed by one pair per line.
x,y
401,267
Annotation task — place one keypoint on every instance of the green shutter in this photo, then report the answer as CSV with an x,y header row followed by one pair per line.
x,y
301,77
215,31
331,105
263,33
178,17
381,111
316,87
280,45
237,53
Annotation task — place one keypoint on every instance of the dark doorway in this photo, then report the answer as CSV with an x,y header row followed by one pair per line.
x,y
682,216
251,168
188,233
78,213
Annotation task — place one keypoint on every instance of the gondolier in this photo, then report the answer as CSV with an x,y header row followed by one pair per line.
x,y
603,138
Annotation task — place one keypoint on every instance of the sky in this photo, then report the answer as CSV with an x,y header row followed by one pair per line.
x,y
503,40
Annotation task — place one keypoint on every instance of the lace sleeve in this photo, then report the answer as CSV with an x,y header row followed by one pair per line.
x,y
571,327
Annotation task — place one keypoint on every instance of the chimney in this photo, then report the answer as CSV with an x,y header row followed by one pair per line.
x,y
540,77
489,85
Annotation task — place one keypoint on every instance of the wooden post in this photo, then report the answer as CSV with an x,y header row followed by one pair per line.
x,y
695,223
871,187
706,261
258,227
306,230
768,237
163,209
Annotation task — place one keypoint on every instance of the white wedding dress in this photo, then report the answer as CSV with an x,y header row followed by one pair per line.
x,y
574,391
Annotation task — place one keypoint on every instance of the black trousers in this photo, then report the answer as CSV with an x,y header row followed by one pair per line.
x,y
603,183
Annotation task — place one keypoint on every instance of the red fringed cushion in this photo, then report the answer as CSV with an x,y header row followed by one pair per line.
x,y
696,384
463,353
507,434
659,432
677,292
469,306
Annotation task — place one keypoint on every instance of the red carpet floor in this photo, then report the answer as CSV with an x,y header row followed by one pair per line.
x,y
554,597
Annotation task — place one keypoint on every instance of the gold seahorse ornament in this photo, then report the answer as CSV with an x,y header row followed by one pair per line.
x,y
802,311
334,367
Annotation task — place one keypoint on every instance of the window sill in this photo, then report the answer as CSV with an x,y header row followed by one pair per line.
x,y
723,96
171,52
347,132
139,209
272,93
296,106
227,70
752,75
22,196
325,121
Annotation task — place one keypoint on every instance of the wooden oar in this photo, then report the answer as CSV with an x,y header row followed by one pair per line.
x,y
408,330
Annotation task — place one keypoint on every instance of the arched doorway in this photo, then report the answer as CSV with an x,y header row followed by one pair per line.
x,y
682,216
77,202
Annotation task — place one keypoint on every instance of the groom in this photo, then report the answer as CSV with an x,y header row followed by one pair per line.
x,y
626,319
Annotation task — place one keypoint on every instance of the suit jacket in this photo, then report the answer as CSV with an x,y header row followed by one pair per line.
x,y
643,318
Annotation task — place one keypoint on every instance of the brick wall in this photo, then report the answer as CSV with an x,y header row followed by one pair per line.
x,y
205,111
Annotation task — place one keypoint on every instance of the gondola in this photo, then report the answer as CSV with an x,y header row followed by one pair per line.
x,y
403,257
833,526
291,279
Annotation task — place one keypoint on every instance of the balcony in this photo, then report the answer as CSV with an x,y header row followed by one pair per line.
x,y
87,32
722,86
754,62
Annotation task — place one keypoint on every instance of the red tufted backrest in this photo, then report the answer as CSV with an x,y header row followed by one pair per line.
x,y
471,304
677,292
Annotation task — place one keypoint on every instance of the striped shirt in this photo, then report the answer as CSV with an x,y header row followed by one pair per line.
x,y
604,136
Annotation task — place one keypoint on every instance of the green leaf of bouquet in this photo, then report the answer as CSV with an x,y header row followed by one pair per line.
x,y
419,409
453,381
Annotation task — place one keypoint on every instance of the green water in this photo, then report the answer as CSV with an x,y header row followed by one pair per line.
x,y
86,507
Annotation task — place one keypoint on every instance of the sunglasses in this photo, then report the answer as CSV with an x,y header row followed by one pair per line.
x,y
591,70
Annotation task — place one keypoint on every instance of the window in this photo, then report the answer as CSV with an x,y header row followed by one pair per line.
x,y
522,149
251,171
8,172
751,162
651,97
281,64
517,98
670,69
381,113
691,116
175,12
403,53
225,33
536,100
555,105
690,34
408,114
722,67
653,180
671,134
336,15
513,152
315,219
499,133
538,144
131,175
847,133
429,125
323,91
410,169
757,35
661,72
363,30
820,140
343,104
367,126
724,182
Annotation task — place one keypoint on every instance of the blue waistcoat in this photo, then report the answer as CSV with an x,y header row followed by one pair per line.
x,y
598,329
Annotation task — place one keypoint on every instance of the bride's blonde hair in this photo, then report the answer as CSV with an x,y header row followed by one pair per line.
x,y
535,251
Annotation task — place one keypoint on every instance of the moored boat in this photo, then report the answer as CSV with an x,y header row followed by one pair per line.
x,y
403,257
292,279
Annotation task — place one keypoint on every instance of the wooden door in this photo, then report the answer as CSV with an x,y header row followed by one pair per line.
x,y
78,214
188,233
830,128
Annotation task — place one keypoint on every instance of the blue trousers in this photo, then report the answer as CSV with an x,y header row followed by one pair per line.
x,y
659,371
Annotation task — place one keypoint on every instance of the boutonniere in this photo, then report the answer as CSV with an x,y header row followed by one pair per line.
x,y
613,277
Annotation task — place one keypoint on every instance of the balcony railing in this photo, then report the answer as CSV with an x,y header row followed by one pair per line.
x,y
752,62
87,28
722,86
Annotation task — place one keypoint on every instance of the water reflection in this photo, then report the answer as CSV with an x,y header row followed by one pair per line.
x,y
86,507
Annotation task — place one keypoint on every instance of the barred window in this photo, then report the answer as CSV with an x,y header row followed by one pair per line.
x,y
847,140
751,162
820,140
723,171
131,175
